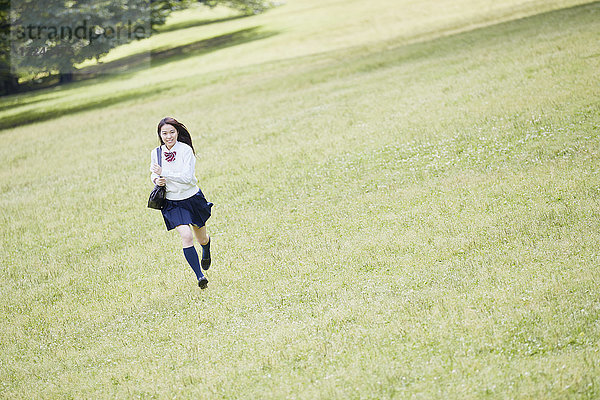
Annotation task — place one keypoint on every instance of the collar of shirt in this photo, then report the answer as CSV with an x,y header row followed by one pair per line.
x,y
174,148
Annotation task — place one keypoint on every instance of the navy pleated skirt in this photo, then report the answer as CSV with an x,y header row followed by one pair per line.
x,y
194,210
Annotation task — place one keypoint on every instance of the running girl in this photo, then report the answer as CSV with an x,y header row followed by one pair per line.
x,y
186,210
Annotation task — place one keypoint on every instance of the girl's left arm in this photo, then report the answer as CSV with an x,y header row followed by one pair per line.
x,y
187,174
153,161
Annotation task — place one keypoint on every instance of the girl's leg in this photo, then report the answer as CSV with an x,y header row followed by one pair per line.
x,y
201,235
189,251
187,239
204,241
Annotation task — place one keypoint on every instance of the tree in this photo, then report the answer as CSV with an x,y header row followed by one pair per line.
x,y
8,81
52,36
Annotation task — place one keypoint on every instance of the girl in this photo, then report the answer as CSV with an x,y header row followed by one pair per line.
x,y
185,209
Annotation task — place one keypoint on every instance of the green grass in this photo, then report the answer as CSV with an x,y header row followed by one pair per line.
x,y
397,215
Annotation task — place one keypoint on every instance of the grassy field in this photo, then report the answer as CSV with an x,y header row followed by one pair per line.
x,y
407,205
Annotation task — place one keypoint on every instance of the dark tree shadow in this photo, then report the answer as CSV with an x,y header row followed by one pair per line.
x,y
9,105
193,24
159,57
208,45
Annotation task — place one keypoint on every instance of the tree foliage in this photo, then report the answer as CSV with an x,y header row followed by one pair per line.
x,y
53,35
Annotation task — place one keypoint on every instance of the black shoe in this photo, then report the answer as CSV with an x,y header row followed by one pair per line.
x,y
203,282
205,261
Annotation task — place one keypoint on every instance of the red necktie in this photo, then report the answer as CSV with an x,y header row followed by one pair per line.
x,y
170,156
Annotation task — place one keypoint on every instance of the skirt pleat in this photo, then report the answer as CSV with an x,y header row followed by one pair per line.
x,y
194,210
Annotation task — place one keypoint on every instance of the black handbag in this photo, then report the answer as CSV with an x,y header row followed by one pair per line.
x,y
159,193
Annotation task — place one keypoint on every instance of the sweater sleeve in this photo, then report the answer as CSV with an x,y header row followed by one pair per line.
x,y
187,174
153,160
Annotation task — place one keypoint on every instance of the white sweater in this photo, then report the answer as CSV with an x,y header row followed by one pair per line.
x,y
179,172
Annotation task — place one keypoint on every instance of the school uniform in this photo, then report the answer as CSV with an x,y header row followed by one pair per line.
x,y
185,203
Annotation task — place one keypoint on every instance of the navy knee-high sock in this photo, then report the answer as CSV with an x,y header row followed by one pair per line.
x,y
206,250
192,258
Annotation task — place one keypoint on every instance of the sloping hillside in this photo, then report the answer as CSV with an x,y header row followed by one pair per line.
x,y
412,215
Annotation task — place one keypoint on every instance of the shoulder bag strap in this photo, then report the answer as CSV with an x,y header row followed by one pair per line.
x,y
159,157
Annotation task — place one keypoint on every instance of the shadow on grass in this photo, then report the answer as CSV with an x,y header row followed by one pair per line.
x,y
208,45
129,65
17,103
159,57
28,117
193,24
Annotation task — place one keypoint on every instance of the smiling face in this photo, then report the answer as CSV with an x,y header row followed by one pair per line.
x,y
168,134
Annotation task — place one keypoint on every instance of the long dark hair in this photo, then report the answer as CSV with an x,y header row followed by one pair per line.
x,y
182,133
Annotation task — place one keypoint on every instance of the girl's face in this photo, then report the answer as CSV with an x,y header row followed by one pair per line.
x,y
168,134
